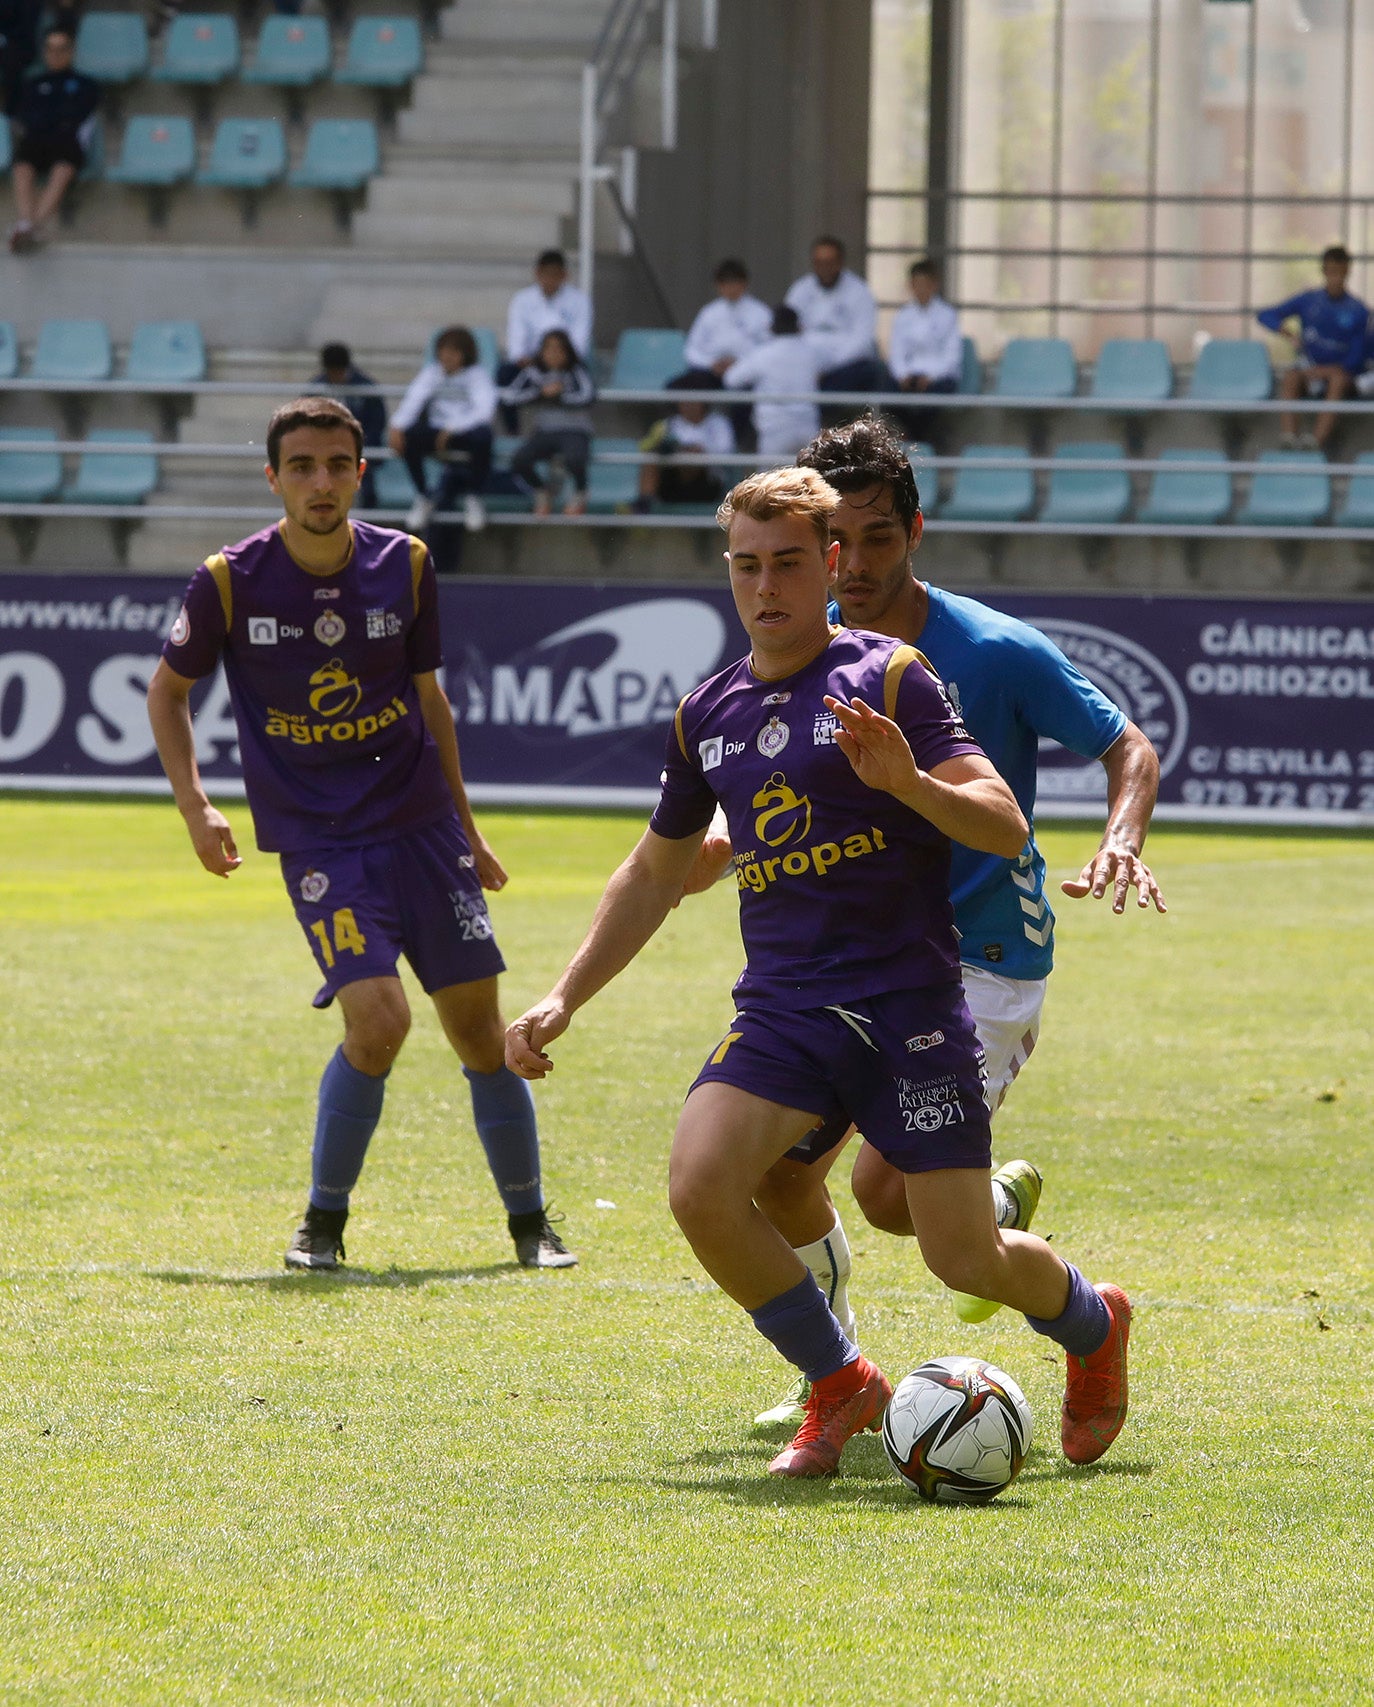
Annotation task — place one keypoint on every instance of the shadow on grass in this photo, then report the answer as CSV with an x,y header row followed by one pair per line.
x,y
340,1280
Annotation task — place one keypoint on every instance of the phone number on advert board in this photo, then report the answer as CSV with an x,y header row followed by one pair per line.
x,y
1280,778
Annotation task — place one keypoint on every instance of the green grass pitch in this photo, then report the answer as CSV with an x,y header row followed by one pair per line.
x,y
442,1479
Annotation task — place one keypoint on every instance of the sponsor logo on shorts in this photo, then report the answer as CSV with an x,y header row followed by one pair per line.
x,y
924,1040
314,886
330,628
823,730
773,737
262,631
928,1105
181,628
778,698
471,913
382,624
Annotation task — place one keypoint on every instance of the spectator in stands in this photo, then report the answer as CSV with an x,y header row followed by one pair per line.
x,y
692,428
786,362
550,304
927,349
55,113
839,320
338,372
447,413
558,383
726,329
1330,345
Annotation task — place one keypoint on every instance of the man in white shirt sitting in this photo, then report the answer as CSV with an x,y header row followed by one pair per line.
x,y
839,320
786,362
550,304
927,348
447,412
728,328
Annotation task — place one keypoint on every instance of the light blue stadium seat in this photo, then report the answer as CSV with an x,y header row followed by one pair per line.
x,y
971,371
340,154
114,479
72,349
1137,370
29,476
990,494
291,53
166,352
383,53
1185,499
612,486
1232,370
202,47
247,154
927,479
6,145
1087,494
646,359
394,488
502,496
1293,490
157,152
9,350
1037,367
112,47
1358,509
488,348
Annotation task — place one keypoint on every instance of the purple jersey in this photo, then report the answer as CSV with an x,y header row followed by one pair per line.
x,y
321,671
844,892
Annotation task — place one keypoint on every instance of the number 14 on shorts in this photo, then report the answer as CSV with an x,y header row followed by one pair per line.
x,y
347,938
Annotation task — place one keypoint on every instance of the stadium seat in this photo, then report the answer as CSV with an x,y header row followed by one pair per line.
x,y
1358,509
1037,367
1137,370
291,53
488,348
1087,494
645,360
383,53
9,350
202,47
394,488
1232,370
1184,499
927,479
114,479
340,154
990,494
612,486
6,145
971,372
247,154
157,152
29,476
72,350
166,352
112,47
1293,490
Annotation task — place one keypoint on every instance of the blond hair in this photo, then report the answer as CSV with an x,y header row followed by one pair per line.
x,y
783,492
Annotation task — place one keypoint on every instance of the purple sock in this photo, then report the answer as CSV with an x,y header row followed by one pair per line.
x,y
803,1327
1083,1325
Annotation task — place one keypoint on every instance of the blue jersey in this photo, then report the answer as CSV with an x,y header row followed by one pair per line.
x,y
1334,328
1013,688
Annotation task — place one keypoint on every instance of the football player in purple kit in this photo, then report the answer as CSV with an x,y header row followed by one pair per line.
x,y
329,634
850,1003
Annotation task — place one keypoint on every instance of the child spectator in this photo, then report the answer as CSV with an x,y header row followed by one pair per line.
x,y
1330,343
55,114
787,362
559,384
693,428
447,412
927,350
550,304
338,372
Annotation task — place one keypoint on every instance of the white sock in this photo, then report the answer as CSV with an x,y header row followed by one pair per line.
x,y
829,1260
1005,1204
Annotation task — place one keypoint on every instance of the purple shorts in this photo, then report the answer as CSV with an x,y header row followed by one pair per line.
x,y
416,894
905,1067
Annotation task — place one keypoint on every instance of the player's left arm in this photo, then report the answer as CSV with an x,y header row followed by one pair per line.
x,y
438,716
1132,768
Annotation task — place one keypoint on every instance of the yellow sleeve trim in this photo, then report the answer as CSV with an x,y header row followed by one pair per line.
x,y
897,666
677,724
218,565
419,551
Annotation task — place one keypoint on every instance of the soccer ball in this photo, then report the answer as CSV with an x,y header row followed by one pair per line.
x,y
957,1430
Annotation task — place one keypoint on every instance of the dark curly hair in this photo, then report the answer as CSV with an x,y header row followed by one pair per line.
x,y
865,453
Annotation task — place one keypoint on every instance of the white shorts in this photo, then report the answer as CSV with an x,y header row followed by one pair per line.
x,y
1006,1015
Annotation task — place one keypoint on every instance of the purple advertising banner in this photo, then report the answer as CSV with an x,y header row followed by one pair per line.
x,y
1261,710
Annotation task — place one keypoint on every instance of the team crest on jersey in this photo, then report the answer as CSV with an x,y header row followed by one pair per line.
x,y
330,628
314,886
181,628
823,731
382,624
773,737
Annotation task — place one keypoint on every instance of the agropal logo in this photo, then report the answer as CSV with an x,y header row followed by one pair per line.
x,y
336,693
623,668
784,816
1132,678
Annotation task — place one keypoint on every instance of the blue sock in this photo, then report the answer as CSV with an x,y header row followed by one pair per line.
x,y
1083,1325
503,1110
349,1109
802,1326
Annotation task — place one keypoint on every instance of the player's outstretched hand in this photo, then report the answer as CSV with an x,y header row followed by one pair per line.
x,y
875,746
213,841
490,872
1119,870
527,1036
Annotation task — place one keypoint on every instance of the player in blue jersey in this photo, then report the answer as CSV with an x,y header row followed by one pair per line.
x,y
850,1004
329,634
1331,343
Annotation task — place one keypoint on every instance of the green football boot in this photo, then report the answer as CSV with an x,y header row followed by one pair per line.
x,y
1021,1182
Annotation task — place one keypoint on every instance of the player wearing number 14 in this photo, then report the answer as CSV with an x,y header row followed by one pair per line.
x,y
329,634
